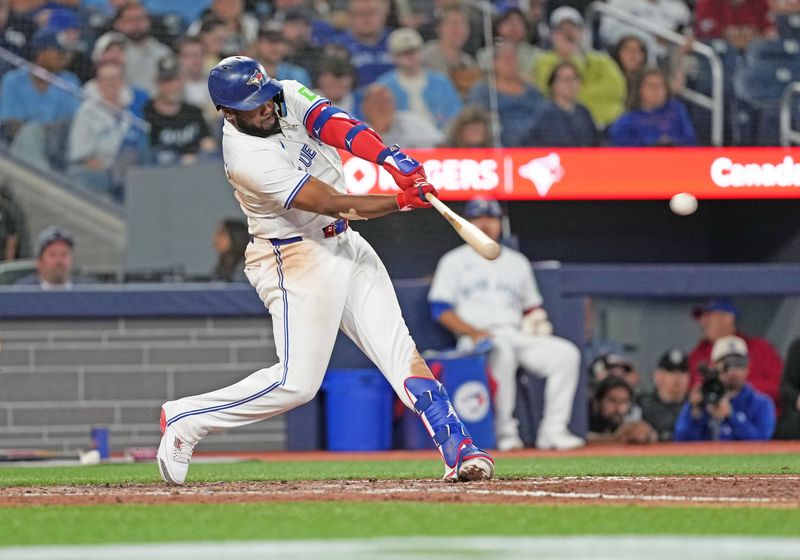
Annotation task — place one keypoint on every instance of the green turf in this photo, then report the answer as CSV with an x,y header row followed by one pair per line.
x,y
323,520
507,467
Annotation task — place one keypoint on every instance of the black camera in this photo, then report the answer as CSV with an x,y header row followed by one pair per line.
x,y
712,388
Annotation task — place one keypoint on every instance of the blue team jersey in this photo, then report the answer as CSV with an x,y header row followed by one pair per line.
x,y
21,101
370,61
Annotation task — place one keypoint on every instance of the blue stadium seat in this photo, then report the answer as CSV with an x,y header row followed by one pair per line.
x,y
786,51
788,26
763,84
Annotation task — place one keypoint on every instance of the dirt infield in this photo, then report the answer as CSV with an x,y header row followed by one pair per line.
x,y
740,491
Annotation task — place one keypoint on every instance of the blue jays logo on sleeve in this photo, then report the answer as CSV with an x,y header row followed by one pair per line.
x,y
257,79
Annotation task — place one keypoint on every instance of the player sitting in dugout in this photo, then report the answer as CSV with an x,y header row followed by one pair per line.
x,y
725,406
477,299
610,415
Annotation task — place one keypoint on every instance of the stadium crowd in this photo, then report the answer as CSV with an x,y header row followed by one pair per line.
x,y
118,83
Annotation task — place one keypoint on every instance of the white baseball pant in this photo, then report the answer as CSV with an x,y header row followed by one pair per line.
x,y
312,289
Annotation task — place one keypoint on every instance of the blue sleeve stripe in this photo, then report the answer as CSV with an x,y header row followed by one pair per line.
x,y
314,105
296,190
352,133
439,307
386,152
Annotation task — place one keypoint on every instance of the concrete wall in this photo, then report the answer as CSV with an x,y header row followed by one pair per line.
x,y
60,378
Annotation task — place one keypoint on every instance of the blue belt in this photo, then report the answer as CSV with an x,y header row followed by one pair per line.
x,y
331,230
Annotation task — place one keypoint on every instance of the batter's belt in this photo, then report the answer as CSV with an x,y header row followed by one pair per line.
x,y
331,230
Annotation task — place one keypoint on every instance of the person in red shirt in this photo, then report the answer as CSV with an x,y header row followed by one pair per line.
x,y
717,318
736,21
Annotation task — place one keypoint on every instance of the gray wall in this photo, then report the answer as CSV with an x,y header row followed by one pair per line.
x,y
58,379
172,215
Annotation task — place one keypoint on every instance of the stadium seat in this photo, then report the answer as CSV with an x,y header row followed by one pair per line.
x,y
786,51
764,83
788,26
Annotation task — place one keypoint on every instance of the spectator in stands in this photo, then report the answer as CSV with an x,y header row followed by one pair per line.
x,y
603,91
404,128
54,261
335,82
191,58
518,102
717,319
300,47
741,413
178,131
670,14
499,300
427,93
562,120
142,51
16,31
213,34
736,21
241,27
470,129
661,406
12,221
110,49
230,240
630,54
366,39
65,23
269,51
653,118
446,53
789,421
35,114
609,412
104,140
511,26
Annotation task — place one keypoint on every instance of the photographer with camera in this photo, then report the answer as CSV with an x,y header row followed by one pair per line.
x,y
726,407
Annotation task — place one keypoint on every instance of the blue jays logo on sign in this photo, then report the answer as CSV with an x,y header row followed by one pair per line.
x,y
471,401
257,79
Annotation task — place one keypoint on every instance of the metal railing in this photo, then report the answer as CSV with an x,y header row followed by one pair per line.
x,y
714,103
789,136
487,13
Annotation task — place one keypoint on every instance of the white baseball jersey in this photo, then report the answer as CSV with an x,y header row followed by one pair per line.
x,y
485,294
267,173
314,284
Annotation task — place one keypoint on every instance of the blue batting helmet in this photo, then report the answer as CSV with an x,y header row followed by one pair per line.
x,y
239,82
478,207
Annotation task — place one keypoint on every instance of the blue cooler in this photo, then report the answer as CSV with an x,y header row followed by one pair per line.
x,y
358,410
464,377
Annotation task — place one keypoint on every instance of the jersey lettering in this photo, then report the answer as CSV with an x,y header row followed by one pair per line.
x,y
307,155
307,93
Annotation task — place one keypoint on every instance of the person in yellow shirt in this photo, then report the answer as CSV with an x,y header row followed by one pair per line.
x,y
604,89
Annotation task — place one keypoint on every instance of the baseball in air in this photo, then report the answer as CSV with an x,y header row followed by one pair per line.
x,y
683,204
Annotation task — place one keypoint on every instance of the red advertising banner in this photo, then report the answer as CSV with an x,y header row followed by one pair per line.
x,y
595,173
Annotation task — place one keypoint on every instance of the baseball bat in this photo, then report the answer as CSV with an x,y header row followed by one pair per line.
x,y
475,238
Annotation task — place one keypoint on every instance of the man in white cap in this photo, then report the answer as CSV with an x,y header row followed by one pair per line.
x,y
427,93
725,406
603,89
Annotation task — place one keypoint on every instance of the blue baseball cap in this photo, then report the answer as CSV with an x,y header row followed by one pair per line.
x,y
482,207
716,304
46,38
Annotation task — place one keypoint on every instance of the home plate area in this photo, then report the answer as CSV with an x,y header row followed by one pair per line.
x,y
762,491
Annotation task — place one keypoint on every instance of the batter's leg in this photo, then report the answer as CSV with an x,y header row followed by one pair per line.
x,y
373,320
306,309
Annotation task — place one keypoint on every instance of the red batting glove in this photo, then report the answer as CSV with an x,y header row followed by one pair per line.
x,y
406,181
414,196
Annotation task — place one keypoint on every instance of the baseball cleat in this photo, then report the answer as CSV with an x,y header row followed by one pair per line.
x,y
509,443
473,464
174,456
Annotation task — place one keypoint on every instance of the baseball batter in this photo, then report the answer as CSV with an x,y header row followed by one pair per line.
x,y
477,299
314,274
